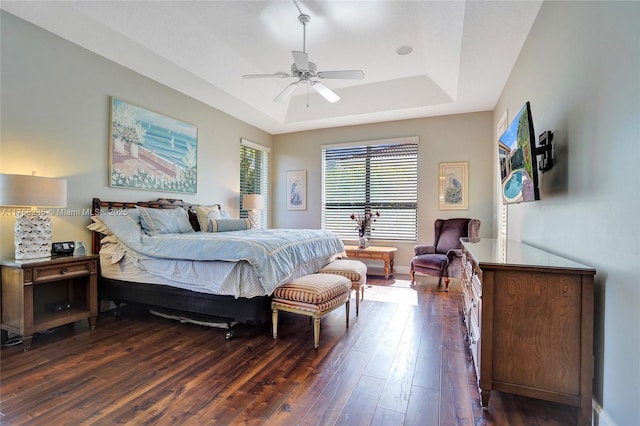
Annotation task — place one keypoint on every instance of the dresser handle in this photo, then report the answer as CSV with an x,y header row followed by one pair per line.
x,y
64,271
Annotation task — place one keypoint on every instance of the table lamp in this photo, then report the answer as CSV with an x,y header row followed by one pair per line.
x,y
253,202
29,195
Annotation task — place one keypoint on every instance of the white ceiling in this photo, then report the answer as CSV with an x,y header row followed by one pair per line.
x,y
463,52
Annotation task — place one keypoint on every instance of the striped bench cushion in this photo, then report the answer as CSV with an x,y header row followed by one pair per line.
x,y
313,289
355,270
312,307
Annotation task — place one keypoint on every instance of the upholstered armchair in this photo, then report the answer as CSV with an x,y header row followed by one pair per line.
x,y
442,259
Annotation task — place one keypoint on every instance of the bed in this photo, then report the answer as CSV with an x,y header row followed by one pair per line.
x,y
226,277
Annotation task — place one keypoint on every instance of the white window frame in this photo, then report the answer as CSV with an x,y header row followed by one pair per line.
x,y
262,216
394,224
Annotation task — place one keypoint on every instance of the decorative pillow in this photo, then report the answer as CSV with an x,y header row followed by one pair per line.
x,y
164,221
225,225
205,214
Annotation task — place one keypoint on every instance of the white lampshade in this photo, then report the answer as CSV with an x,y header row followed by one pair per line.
x,y
32,191
32,228
252,202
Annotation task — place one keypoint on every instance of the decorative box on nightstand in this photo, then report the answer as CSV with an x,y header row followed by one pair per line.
x,y
40,294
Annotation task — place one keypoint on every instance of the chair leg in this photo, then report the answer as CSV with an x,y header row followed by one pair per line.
x,y
447,280
412,274
357,301
274,321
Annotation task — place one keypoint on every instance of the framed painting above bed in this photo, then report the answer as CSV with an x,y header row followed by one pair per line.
x,y
151,151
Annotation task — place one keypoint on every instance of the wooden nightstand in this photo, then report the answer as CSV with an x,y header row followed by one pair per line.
x,y
32,288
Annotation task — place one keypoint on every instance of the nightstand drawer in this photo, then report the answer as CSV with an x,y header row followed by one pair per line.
x,y
53,273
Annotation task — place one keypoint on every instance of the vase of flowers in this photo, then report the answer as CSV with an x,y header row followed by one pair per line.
x,y
364,221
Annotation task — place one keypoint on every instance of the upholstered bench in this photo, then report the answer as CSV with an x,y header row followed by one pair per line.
x,y
355,270
312,295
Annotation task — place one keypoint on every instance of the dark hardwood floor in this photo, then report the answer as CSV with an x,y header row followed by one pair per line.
x,y
402,361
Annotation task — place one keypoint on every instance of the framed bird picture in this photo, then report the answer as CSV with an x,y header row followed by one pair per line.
x,y
297,190
454,186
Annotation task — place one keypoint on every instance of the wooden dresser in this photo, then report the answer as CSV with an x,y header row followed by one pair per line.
x,y
529,321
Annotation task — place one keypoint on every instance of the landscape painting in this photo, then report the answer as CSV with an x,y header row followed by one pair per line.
x,y
151,151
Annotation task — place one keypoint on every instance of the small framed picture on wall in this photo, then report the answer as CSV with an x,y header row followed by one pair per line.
x,y
297,190
454,186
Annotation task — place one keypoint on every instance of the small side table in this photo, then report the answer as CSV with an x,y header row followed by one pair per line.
x,y
31,289
386,254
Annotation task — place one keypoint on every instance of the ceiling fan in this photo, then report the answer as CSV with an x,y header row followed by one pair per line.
x,y
305,71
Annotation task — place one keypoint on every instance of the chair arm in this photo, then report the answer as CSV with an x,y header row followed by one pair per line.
x,y
418,250
454,253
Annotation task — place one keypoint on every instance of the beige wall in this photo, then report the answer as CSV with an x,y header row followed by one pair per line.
x,y
580,69
55,113
464,137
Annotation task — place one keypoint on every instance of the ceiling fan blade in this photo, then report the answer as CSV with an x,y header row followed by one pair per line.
x,y
346,74
325,92
301,59
276,75
286,92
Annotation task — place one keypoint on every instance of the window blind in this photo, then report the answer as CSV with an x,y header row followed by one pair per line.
x,y
377,178
254,178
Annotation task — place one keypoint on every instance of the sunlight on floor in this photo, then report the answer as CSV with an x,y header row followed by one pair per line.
x,y
396,291
401,291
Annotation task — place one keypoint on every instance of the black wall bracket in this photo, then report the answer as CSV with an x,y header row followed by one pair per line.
x,y
545,150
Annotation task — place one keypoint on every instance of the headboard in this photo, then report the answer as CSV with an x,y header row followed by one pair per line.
x,y
98,206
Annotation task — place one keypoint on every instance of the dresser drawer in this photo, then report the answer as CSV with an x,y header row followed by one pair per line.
x,y
466,302
476,285
53,273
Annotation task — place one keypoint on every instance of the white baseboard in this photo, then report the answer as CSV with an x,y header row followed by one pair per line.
x,y
600,417
401,270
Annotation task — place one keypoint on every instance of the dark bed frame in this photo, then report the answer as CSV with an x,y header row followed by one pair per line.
x,y
227,309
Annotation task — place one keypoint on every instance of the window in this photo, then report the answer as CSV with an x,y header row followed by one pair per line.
x,y
377,176
254,177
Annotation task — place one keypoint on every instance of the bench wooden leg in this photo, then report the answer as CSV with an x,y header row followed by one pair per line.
x,y
274,321
316,332
347,305
357,301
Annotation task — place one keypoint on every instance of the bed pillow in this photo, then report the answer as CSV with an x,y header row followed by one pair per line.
x,y
164,221
225,225
98,225
205,214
